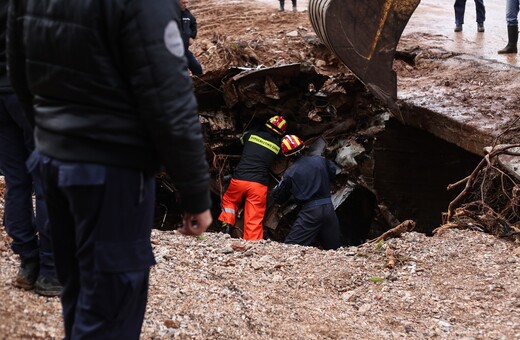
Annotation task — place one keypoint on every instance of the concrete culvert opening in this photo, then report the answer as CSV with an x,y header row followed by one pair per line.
x,y
412,170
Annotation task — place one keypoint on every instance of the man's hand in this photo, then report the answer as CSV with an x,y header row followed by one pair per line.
x,y
191,41
195,224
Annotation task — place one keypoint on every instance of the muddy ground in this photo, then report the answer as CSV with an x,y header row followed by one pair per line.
x,y
460,284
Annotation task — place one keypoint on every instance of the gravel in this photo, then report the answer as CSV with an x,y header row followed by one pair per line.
x,y
462,284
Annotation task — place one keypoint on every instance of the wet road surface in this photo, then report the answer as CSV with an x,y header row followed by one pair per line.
x,y
438,18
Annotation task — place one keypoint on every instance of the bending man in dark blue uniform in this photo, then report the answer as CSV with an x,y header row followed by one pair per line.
x,y
307,180
189,33
107,86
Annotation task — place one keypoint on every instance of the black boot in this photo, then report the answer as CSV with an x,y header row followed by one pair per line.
x,y
282,3
47,286
512,35
27,273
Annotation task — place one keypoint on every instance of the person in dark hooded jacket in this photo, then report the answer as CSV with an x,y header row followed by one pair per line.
x,y
189,33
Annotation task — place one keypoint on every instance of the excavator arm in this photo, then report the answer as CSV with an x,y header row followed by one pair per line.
x,y
364,34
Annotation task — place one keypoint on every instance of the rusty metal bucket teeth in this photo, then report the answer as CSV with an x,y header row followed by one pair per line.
x,y
364,34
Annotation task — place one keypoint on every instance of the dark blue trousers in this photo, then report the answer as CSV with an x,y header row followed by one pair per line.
x,y
315,222
193,64
27,228
100,222
282,3
460,8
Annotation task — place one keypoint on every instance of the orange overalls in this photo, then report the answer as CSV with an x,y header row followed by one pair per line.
x,y
255,195
249,183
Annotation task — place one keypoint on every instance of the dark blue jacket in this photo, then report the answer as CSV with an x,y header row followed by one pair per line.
x,y
106,82
307,179
188,27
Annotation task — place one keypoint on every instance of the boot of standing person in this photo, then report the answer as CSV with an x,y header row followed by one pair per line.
x,y
512,35
282,5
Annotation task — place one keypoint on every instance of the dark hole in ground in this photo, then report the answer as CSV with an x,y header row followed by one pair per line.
x,y
412,171
356,216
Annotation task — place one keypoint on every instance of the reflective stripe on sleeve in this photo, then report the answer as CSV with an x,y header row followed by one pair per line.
x,y
229,210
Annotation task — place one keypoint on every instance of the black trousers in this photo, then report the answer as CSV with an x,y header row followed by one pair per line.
x,y
282,3
193,64
460,8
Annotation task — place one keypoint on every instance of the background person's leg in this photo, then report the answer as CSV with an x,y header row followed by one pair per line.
x,y
193,64
254,211
329,235
460,8
18,209
47,283
231,200
480,11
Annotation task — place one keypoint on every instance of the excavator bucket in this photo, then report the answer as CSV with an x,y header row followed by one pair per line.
x,y
364,34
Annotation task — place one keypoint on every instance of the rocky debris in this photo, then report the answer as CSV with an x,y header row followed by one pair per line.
x,y
463,284
335,116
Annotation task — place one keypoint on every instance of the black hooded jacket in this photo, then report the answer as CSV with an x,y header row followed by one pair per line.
x,y
188,28
106,82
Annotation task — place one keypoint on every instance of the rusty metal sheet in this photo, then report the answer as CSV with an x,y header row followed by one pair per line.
x,y
217,121
257,85
364,34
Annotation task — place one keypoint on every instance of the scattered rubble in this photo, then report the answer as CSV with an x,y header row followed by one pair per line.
x,y
462,284
335,115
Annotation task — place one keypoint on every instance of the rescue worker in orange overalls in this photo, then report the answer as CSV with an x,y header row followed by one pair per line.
x,y
251,178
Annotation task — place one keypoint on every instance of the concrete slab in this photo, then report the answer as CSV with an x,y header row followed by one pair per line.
x,y
460,89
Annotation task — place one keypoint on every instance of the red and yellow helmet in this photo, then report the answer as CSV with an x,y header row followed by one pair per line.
x,y
291,145
277,124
